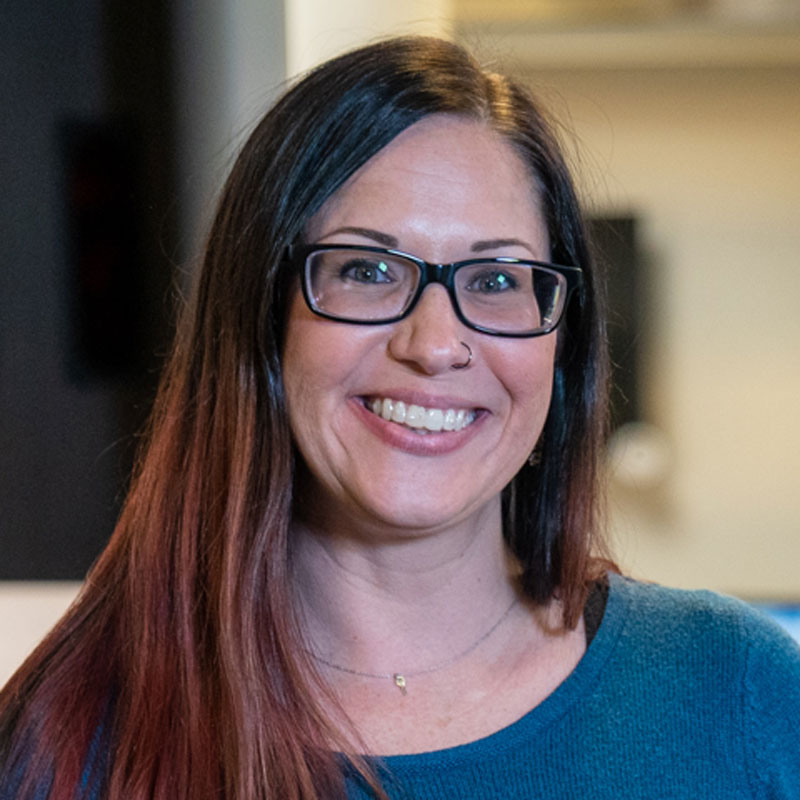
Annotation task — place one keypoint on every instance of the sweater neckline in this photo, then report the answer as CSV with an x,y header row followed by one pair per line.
x,y
574,687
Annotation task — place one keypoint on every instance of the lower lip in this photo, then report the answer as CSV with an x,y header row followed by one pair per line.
x,y
403,438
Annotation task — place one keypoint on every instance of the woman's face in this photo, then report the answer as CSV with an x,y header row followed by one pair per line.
x,y
445,190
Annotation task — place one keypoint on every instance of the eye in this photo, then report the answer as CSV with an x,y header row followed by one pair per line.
x,y
492,281
365,270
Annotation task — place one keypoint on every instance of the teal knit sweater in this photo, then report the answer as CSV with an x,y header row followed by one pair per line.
x,y
681,695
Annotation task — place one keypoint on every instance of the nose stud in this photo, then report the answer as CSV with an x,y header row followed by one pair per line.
x,y
468,361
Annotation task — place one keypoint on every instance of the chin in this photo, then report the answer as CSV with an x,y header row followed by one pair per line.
x,y
417,516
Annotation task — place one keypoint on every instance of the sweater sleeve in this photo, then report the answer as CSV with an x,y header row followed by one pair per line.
x,y
772,711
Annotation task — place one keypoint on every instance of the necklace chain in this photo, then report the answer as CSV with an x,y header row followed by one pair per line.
x,y
400,678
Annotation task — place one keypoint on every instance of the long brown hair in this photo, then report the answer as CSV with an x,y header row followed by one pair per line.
x,y
179,672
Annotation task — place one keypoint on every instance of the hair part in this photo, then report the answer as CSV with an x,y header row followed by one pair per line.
x,y
182,652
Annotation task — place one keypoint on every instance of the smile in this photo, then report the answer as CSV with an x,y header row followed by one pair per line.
x,y
420,418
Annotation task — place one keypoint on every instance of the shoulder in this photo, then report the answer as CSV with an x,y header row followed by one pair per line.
x,y
700,619
709,630
727,660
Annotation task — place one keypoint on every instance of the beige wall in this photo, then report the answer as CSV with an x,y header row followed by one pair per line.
x,y
710,160
319,29
27,612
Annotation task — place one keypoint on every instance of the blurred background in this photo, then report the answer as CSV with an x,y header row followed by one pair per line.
x,y
682,122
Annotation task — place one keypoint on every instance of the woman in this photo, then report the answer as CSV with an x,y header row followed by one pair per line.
x,y
366,522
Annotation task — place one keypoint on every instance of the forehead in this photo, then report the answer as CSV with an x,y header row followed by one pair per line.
x,y
445,178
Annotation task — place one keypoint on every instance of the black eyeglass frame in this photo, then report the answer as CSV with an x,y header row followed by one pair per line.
x,y
444,274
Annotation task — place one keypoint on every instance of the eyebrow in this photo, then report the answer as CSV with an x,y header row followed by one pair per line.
x,y
387,240
493,244
381,238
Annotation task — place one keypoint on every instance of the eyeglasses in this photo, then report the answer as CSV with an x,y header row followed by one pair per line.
x,y
374,286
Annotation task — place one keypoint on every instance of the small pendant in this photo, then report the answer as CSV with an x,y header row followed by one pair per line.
x,y
399,682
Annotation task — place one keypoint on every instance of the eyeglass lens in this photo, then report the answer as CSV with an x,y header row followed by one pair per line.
x,y
370,287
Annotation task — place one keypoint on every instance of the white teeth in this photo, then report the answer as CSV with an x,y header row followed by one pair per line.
x,y
419,418
415,417
399,412
434,419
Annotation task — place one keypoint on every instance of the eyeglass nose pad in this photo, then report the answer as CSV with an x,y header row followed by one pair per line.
x,y
441,274
428,295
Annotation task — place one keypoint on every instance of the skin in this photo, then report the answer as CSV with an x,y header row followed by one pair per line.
x,y
398,538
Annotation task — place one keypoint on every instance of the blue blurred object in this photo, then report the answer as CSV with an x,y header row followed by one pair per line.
x,y
787,615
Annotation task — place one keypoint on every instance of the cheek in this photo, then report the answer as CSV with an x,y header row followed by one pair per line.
x,y
320,361
529,382
303,355
305,392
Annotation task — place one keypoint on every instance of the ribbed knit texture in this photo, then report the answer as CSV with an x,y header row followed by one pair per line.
x,y
680,695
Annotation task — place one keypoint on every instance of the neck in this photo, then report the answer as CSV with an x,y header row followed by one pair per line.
x,y
404,601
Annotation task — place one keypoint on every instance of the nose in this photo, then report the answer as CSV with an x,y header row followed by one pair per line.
x,y
430,338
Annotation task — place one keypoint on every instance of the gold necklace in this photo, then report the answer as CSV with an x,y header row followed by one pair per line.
x,y
400,679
